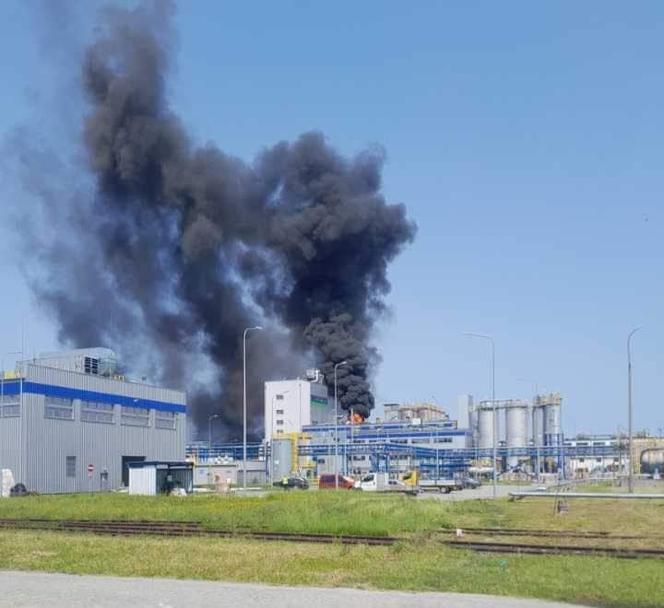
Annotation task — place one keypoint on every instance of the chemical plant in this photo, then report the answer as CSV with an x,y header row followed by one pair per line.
x,y
69,422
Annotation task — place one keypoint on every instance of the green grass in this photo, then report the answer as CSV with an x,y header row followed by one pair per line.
x,y
313,512
343,512
417,563
406,566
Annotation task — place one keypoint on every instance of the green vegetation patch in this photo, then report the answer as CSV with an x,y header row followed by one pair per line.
x,y
405,566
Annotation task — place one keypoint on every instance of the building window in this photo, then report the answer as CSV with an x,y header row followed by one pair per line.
x,y
280,412
58,408
135,416
71,466
280,422
93,411
280,432
164,420
279,397
10,406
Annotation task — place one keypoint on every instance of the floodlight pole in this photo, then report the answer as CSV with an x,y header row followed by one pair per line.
x,y
493,406
629,408
244,404
336,426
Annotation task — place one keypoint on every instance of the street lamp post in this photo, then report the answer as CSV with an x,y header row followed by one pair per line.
x,y
532,422
210,419
244,404
493,406
336,426
629,408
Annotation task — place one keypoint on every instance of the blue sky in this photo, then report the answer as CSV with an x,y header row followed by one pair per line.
x,y
525,139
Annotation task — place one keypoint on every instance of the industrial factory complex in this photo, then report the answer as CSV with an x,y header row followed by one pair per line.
x,y
69,422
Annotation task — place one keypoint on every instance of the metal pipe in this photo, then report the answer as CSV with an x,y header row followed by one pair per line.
x,y
336,427
244,404
629,408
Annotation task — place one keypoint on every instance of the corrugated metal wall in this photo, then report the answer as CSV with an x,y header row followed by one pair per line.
x,y
40,459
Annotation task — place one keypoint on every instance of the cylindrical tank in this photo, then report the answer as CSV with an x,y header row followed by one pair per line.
x,y
281,458
472,423
517,426
652,460
516,429
485,428
538,426
552,423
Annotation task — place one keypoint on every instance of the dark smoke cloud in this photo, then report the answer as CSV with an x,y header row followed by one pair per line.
x,y
181,248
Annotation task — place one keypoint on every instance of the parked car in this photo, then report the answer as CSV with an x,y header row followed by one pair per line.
x,y
288,483
327,481
468,483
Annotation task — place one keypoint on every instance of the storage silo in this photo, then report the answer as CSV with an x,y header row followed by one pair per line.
x,y
485,427
516,428
282,450
552,431
538,424
473,421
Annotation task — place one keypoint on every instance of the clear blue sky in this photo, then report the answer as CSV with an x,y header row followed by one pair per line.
x,y
525,138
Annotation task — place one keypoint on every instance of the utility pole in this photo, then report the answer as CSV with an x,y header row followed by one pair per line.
x,y
493,407
629,409
244,404
336,426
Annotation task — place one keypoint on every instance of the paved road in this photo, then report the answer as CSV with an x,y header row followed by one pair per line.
x,y
484,491
27,589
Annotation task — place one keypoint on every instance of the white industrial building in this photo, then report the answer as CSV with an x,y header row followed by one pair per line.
x,y
293,404
68,423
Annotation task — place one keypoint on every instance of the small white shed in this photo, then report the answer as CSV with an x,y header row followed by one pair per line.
x,y
152,478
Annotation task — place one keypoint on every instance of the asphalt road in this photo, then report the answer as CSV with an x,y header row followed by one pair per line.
x,y
23,589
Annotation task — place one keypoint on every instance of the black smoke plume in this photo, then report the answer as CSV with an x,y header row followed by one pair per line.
x,y
182,247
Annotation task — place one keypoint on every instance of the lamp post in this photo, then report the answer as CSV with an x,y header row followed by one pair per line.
x,y
336,426
629,407
244,404
210,419
532,422
493,405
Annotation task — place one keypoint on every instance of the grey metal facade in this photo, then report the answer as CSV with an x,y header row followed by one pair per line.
x,y
50,448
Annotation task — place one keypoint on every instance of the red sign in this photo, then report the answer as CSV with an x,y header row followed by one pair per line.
x,y
91,470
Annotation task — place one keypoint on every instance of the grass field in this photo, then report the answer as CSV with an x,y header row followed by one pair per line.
x,y
417,563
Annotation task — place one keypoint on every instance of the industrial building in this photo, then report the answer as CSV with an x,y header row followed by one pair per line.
x,y
70,423
292,404
302,436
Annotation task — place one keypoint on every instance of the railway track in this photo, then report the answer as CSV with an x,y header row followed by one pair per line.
x,y
189,529
194,529
535,533
532,549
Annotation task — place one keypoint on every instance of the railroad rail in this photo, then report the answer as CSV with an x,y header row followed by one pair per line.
x,y
538,533
172,529
531,549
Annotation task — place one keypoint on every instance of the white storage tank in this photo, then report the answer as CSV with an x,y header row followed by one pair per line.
x,y
538,425
473,421
282,458
552,429
485,427
516,429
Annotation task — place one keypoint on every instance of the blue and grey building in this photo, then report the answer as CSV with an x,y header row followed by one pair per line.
x,y
70,423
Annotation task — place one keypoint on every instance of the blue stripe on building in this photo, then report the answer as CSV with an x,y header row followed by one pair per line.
x,y
49,390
